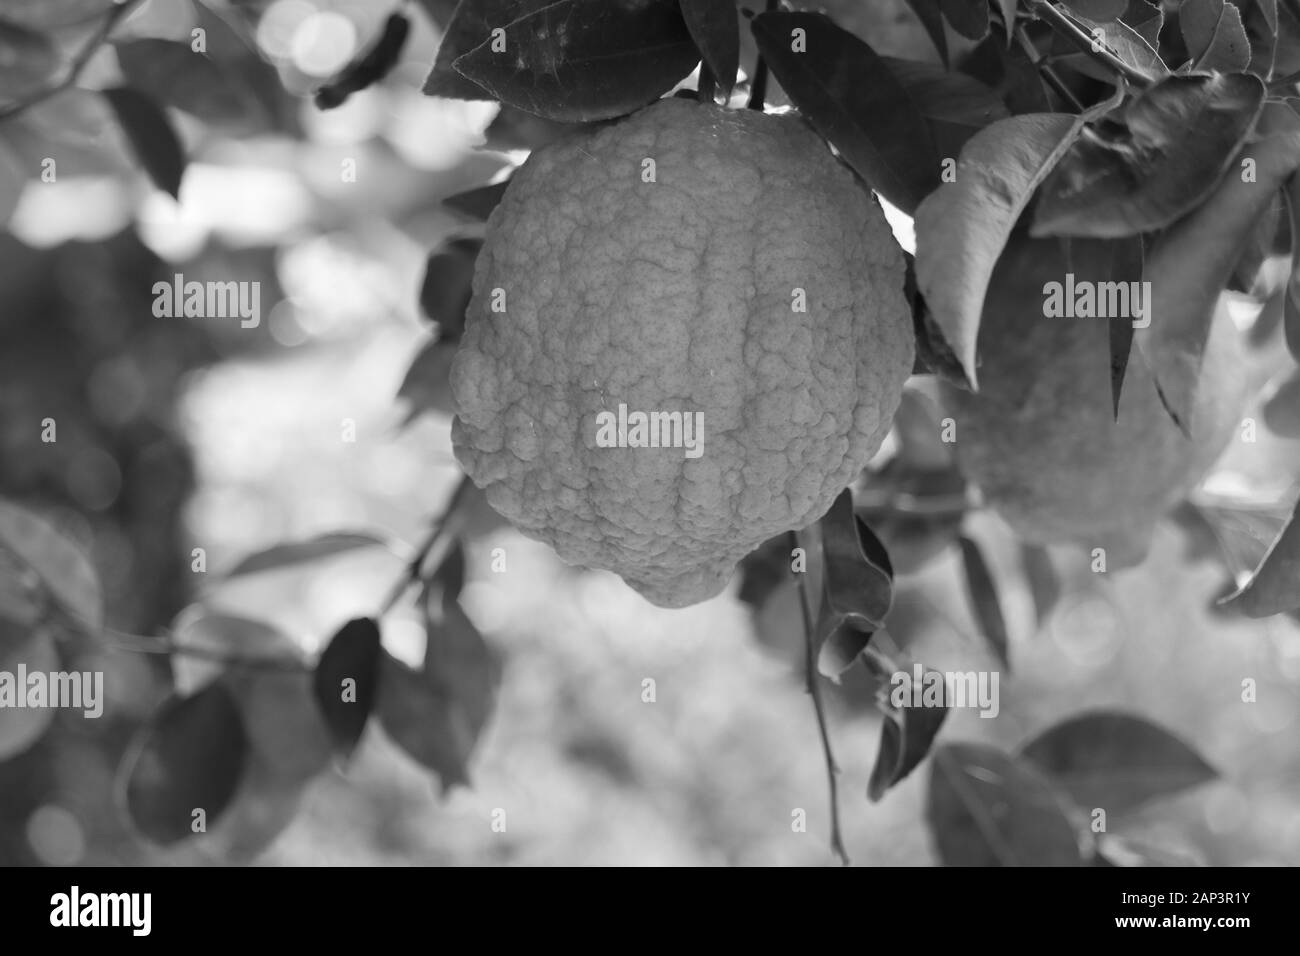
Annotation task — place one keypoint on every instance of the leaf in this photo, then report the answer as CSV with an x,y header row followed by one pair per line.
x,y
1260,21
715,27
27,61
276,703
955,106
1215,36
436,715
962,227
294,553
478,203
1125,42
582,60
152,137
60,565
983,595
985,808
1102,10
346,681
927,11
1101,262
1281,411
445,290
906,734
427,384
1040,575
189,756
853,99
470,25
970,18
44,14
1176,141
13,179
21,645
1291,302
450,576
172,73
1116,761
1275,585
858,581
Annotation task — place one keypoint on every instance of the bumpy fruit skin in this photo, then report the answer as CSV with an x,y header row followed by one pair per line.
x,y
676,295
1040,439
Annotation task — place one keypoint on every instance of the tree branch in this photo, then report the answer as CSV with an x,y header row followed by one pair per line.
x,y
1072,32
439,539
814,690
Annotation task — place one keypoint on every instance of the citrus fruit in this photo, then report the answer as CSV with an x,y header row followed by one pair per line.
x,y
716,264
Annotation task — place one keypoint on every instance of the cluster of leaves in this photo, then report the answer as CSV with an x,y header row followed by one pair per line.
x,y
252,721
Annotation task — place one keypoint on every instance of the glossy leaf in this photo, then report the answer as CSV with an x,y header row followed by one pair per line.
x,y
470,26
190,756
1215,36
852,97
985,808
1174,145
152,137
1116,761
426,386
906,734
931,17
715,27
583,60
445,290
962,227
346,682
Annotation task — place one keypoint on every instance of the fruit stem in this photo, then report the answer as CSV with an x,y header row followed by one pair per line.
x,y
1045,69
814,691
758,85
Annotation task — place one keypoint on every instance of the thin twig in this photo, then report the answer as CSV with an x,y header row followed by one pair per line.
x,y
814,690
705,88
758,85
78,62
1045,69
1072,32
167,645
441,534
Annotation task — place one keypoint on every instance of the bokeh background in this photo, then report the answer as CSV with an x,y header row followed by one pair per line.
x,y
184,433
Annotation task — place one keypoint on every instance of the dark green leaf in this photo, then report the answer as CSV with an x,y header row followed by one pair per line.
x,y
955,106
427,385
1215,36
715,27
470,26
985,808
856,585
190,756
983,595
1275,585
1100,10
906,735
962,227
1125,42
582,60
63,569
853,99
1116,761
1260,18
478,203
346,682
1176,142
1040,574
928,12
151,136
970,18
174,74
445,290
304,552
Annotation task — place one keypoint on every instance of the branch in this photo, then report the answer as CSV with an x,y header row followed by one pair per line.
x,y
814,690
1050,75
438,540
116,15
166,644
1072,32
758,85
